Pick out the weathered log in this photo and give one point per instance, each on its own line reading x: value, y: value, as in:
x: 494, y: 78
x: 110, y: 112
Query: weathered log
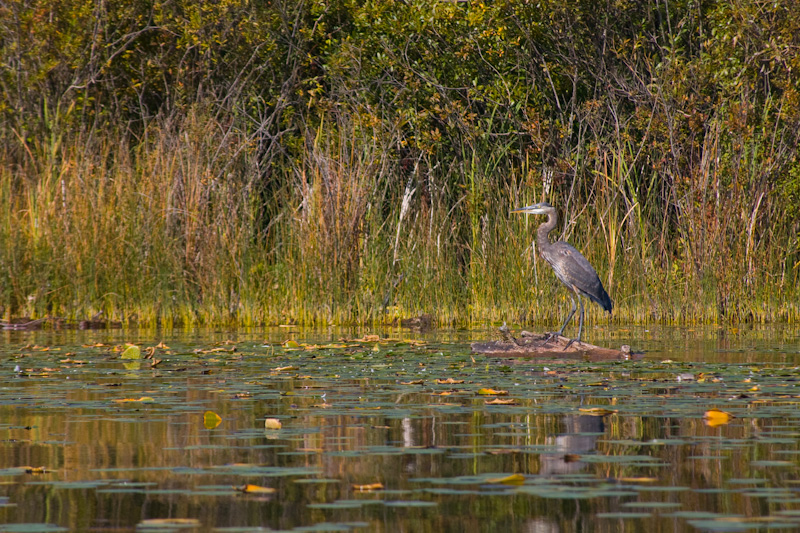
x: 23, y: 323
x: 27, y: 324
x: 550, y: 346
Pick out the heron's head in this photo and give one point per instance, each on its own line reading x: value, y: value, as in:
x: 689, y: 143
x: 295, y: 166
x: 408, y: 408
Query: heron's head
x: 542, y: 208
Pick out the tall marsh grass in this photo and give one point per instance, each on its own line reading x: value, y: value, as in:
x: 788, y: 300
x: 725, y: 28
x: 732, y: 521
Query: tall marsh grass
x: 176, y: 228
x: 247, y: 165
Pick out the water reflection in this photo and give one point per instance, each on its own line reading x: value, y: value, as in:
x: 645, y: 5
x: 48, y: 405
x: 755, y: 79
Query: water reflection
x: 580, y: 437
x: 120, y: 446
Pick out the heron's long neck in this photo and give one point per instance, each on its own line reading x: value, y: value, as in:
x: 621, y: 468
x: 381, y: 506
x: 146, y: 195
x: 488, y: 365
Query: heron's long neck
x: 541, y: 234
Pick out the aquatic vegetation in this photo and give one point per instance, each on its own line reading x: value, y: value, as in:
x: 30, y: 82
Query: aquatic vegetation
x: 171, y: 164
x: 342, y: 432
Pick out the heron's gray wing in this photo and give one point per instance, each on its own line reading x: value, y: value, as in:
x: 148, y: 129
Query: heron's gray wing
x: 575, y: 270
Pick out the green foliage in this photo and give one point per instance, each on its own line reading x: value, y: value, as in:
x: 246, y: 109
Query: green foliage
x: 352, y: 161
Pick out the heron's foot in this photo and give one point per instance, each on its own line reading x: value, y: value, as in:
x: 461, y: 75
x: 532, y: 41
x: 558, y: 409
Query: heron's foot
x: 550, y: 336
x: 570, y: 343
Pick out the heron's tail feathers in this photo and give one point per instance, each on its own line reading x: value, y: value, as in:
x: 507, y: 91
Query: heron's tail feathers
x: 602, y: 299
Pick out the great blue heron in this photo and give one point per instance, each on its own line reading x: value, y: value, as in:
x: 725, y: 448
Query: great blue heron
x: 571, y: 268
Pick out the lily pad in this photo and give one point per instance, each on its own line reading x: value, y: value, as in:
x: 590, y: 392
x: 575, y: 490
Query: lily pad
x: 32, y: 528
x: 624, y: 515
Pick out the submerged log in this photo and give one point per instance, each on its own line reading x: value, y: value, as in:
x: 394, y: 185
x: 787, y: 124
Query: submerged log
x: 423, y: 322
x: 23, y: 323
x: 28, y: 324
x: 545, y: 345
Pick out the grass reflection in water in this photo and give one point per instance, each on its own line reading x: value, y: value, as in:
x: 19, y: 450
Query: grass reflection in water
x: 385, y: 435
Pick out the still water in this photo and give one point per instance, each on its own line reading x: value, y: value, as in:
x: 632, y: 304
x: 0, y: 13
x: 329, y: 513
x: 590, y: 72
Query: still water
x: 397, y: 431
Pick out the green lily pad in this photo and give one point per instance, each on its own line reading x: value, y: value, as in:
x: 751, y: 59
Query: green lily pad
x: 624, y: 515
x: 32, y: 528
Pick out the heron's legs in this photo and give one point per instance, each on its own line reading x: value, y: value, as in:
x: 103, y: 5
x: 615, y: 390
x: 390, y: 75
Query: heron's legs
x: 564, y: 325
x: 569, y: 316
x: 580, y: 320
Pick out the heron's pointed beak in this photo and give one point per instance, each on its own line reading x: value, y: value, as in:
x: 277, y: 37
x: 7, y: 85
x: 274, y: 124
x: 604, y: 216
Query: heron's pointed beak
x: 527, y: 209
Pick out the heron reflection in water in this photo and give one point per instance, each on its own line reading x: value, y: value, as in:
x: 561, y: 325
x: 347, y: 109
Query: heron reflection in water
x: 570, y: 267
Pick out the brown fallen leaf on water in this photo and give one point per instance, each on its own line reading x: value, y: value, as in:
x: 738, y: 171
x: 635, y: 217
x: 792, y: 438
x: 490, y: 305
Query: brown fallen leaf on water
x: 152, y: 523
x: 272, y: 423
x: 413, y: 382
x: 35, y: 469
x: 513, y: 479
x: 255, y: 489
x: 142, y: 399
x: 596, y: 411
x: 368, y: 487
x: 311, y: 347
x: 415, y: 342
x: 285, y: 368
x: 215, y: 350
x: 492, y: 392
x: 715, y: 417
x: 449, y: 381
x: 637, y: 479
x: 501, y: 401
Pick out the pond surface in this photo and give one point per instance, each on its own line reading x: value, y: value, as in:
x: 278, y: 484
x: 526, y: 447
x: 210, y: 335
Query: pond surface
x: 397, y: 431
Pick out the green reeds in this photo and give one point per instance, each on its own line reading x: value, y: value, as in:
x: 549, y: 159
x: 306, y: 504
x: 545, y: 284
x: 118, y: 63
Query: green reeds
x: 174, y: 229
x: 247, y: 166
x: 182, y: 225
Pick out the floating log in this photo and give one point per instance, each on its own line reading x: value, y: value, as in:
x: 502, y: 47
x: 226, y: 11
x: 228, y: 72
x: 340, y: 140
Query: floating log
x: 547, y: 345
